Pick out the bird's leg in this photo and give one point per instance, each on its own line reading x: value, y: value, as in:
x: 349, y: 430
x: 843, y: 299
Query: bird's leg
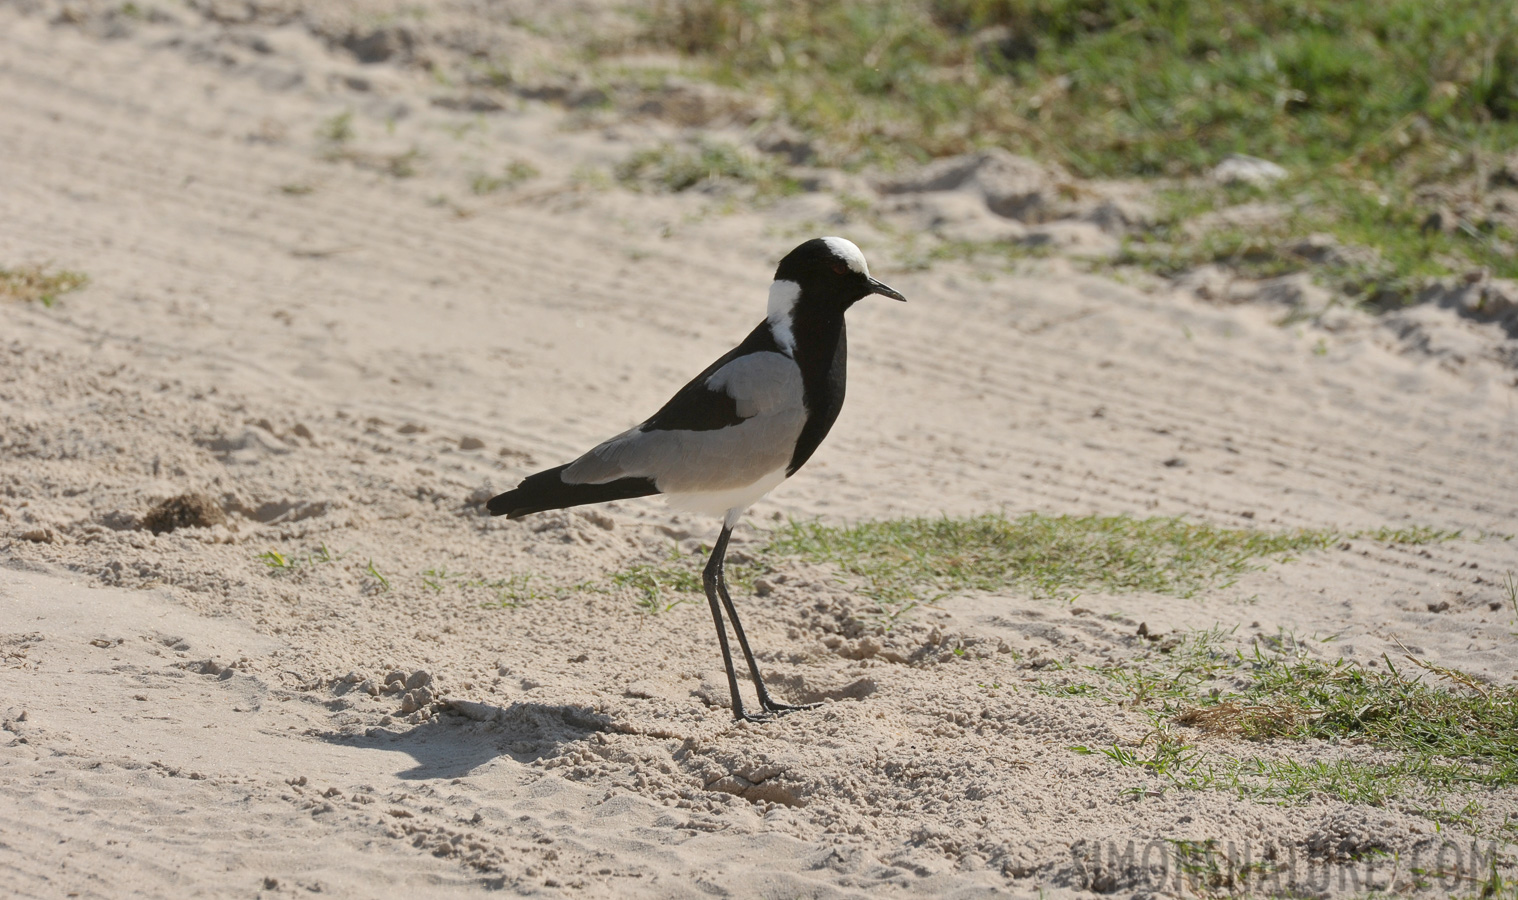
x: 711, y: 577
x: 765, y: 702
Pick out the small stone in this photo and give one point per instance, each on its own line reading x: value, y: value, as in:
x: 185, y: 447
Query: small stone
x: 39, y: 535
x: 1175, y: 462
x: 353, y: 678
x: 471, y: 443
x: 419, y: 678
x: 1439, y: 607
x: 395, y: 676
x: 1240, y: 169
x: 369, y: 687
x: 763, y: 588
x: 415, y: 700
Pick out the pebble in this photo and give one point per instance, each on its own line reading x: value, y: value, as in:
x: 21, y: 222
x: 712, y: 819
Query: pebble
x: 415, y: 699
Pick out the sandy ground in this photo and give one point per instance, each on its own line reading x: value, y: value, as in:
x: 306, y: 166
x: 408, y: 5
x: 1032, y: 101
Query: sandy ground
x: 343, y: 358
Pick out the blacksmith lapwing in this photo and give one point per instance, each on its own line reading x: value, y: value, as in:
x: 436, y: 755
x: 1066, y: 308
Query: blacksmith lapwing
x: 737, y: 430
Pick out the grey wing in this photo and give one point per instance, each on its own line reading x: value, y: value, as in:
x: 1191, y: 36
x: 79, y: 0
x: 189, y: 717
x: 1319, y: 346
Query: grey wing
x: 761, y: 384
x: 765, y: 391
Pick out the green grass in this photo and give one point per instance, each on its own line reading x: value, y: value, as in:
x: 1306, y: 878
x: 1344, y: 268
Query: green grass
x: 518, y: 590
x: 673, y: 168
x: 516, y: 173
x: 906, y: 561
x: 660, y: 588
x: 338, y: 129
x: 39, y: 283
x: 511, y: 592
x: 1444, y: 734
x: 1302, y: 699
x: 1388, y: 255
x: 381, y: 581
x: 278, y: 562
x: 1121, y: 87
x: 1365, y: 102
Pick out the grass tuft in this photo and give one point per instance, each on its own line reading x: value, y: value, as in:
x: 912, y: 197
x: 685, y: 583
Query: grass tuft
x: 1053, y: 556
x: 516, y: 173
x: 1303, y: 700
x: 1437, y: 730
x: 904, y: 562
x: 710, y: 163
x: 338, y: 129
x: 278, y: 562
x: 663, y: 586
x: 39, y: 283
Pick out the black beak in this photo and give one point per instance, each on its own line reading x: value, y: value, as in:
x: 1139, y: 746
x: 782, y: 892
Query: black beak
x: 885, y: 290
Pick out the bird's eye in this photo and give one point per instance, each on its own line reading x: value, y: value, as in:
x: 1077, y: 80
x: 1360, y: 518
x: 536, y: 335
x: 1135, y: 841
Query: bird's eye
x: 840, y: 268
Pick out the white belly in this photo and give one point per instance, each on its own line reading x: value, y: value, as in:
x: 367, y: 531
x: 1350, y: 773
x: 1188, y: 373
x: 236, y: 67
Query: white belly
x: 729, y: 500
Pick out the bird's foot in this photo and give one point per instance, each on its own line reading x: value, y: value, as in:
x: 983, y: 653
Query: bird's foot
x: 772, y: 711
x: 781, y: 709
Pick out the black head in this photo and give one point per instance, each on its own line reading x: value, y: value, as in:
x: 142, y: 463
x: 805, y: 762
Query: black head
x: 831, y: 270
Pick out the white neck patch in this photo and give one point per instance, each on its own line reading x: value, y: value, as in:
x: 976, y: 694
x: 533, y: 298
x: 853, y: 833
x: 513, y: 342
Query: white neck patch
x: 845, y: 249
x: 783, y: 297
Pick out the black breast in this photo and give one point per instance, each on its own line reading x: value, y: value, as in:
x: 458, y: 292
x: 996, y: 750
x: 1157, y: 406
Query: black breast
x: 823, y: 356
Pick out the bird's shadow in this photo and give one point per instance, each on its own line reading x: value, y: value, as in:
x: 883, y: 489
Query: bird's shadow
x: 468, y: 734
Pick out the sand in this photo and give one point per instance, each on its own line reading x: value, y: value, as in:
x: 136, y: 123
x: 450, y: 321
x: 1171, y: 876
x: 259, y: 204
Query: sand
x: 344, y: 349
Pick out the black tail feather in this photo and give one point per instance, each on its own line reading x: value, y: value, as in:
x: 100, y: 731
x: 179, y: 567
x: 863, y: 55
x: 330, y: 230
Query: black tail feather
x: 547, y: 490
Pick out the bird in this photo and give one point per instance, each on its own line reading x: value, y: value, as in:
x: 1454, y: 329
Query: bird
x: 748, y: 422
